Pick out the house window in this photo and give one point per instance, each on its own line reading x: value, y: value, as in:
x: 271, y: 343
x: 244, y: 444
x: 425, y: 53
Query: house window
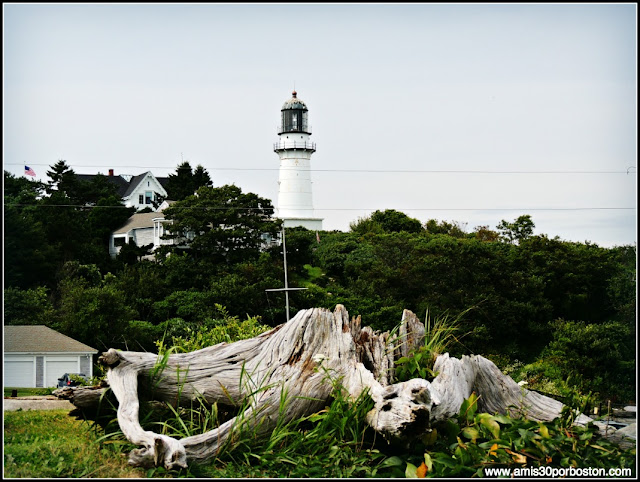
x: 148, y: 197
x: 140, y: 199
x: 118, y: 241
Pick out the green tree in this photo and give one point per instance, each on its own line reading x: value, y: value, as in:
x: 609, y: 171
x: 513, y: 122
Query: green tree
x: 222, y: 224
x: 141, y: 335
x: 516, y: 231
x: 185, y: 182
x: 201, y: 178
x: 387, y: 221
x: 483, y: 233
x: 30, y: 259
x: 108, y: 215
x: 143, y: 284
x: 80, y: 215
x: 131, y: 253
x: 622, y: 285
x: 365, y: 225
x: 65, y: 183
x: 92, y: 309
x: 574, y: 276
x: 98, y: 189
x: 242, y: 287
x: 27, y: 307
x: 22, y: 190
x: 597, y: 357
x: 300, y: 243
x: 192, y: 306
x: 453, y: 229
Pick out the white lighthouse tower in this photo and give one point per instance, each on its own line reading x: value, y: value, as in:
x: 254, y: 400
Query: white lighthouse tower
x: 295, y: 200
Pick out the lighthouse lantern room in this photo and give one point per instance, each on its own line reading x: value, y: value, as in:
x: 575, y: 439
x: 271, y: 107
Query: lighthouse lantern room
x: 295, y: 200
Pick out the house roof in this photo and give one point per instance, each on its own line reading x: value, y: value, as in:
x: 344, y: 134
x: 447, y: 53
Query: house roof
x: 135, y: 181
x: 142, y: 220
x: 138, y: 221
x: 120, y: 182
x: 125, y: 188
x: 40, y: 339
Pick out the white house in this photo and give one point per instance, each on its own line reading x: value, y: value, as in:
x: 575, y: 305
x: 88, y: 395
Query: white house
x: 143, y: 190
x: 143, y: 229
x: 36, y: 356
x: 139, y: 191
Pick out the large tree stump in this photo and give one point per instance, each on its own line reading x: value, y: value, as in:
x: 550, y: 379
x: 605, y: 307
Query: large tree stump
x: 293, y: 361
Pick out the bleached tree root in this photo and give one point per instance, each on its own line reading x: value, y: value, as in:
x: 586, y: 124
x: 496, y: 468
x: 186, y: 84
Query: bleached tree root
x: 283, y: 374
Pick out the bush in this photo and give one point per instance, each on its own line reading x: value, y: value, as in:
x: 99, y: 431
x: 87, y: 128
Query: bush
x: 596, y: 357
x: 226, y: 329
x: 471, y: 443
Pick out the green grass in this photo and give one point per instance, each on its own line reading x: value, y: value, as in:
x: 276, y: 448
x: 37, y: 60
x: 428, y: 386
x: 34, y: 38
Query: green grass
x: 28, y: 392
x: 49, y: 443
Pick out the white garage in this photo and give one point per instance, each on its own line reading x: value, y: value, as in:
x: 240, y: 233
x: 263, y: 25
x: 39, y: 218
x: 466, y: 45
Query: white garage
x: 36, y: 356
x: 18, y: 369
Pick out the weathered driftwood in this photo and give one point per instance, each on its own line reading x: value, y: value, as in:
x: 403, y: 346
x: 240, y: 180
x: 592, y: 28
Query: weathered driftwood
x: 292, y: 362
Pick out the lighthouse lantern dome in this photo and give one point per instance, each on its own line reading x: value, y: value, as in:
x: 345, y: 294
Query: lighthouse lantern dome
x: 294, y: 116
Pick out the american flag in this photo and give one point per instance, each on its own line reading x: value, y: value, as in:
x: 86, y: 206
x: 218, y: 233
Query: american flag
x: 29, y: 172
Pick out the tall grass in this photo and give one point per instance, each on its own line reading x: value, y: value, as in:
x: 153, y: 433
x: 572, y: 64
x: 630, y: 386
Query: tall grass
x: 441, y: 332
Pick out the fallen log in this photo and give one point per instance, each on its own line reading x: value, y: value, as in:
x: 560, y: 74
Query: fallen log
x: 294, y: 360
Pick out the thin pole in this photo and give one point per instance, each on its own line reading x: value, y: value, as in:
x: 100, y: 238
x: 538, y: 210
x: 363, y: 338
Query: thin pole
x: 286, y: 288
x: 286, y: 283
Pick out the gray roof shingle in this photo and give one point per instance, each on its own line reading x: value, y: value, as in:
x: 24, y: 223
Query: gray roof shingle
x: 124, y: 187
x: 121, y: 183
x: 139, y: 220
x: 40, y: 339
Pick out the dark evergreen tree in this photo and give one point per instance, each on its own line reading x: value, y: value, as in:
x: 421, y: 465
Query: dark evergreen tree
x: 65, y: 185
x: 29, y: 257
x: 201, y: 178
x: 185, y: 182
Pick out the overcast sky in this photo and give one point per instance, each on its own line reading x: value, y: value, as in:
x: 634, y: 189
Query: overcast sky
x: 484, y: 112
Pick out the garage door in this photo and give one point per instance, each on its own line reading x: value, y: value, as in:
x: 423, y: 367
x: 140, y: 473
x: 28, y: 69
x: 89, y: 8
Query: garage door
x: 55, y: 367
x: 19, y: 371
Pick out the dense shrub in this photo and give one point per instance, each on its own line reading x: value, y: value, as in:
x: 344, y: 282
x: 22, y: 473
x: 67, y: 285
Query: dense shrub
x: 472, y: 443
x: 595, y: 357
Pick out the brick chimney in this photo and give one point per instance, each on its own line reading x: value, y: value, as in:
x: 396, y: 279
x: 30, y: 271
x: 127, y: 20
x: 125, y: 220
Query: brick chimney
x: 110, y: 172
